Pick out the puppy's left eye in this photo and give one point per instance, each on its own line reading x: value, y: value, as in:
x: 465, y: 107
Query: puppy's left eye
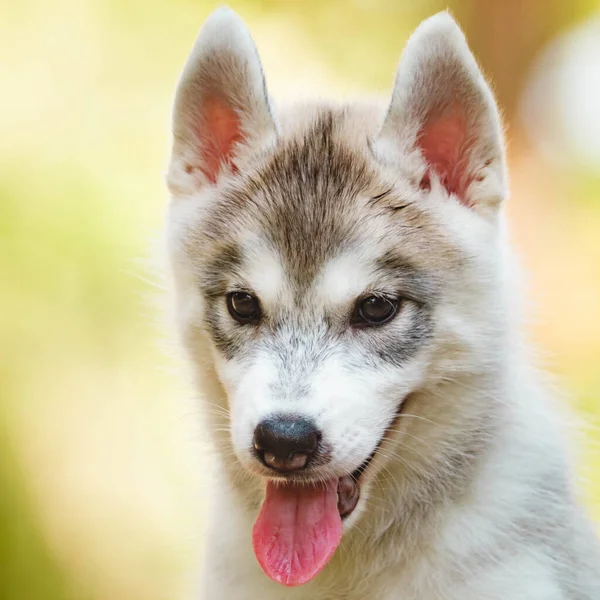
x: 374, y: 310
x: 243, y: 307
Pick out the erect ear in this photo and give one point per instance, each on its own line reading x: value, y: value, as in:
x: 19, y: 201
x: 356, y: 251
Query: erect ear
x: 221, y: 104
x: 444, y: 117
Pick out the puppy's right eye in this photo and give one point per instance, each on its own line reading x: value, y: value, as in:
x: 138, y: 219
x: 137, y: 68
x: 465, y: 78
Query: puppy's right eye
x: 243, y: 307
x: 374, y: 310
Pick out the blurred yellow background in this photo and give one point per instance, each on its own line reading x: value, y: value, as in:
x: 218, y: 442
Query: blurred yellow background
x: 98, y: 463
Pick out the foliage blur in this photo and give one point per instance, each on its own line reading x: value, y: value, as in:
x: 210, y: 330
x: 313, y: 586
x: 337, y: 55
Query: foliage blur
x: 97, y: 458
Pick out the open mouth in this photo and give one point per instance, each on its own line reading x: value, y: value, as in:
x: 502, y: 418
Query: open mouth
x: 300, y: 524
x: 349, y: 487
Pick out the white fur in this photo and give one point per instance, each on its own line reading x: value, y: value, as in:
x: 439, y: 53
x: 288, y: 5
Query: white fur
x: 343, y: 278
x: 469, y: 496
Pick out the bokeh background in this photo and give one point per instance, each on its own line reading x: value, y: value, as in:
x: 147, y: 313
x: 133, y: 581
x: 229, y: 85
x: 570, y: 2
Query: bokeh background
x: 98, y: 463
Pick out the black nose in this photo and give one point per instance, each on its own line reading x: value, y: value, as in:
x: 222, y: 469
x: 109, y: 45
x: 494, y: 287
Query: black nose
x: 285, y: 443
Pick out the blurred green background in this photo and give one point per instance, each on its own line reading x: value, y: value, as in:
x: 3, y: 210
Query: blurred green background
x: 98, y: 496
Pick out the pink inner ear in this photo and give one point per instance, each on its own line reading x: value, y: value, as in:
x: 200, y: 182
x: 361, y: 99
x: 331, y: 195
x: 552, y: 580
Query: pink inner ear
x: 220, y: 131
x: 442, y: 141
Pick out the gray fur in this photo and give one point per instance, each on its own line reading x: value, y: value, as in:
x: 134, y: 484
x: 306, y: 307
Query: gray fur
x: 468, y: 495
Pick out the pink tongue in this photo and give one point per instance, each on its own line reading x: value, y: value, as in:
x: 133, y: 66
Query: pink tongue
x: 297, y: 531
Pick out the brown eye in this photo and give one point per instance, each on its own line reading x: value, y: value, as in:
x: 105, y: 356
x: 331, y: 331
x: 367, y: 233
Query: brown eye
x: 243, y: 307
x: 374, y: 310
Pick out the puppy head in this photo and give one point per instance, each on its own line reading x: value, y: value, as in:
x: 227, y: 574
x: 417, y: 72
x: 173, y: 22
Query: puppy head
x: 334, y: 261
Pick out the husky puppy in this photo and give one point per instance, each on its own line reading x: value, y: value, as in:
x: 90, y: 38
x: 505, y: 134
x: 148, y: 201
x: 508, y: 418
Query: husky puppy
x: 344, y: 291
